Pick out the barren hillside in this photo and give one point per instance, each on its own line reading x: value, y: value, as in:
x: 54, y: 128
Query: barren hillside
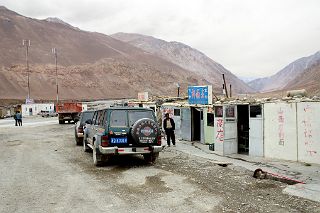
x: 309, y: 80
x: 287, y: 76
x: 187, y: 58
x: 91, y: 65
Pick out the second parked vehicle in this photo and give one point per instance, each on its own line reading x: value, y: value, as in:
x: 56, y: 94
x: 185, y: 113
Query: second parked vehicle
x: 123, y: 131
x: 85, y: 117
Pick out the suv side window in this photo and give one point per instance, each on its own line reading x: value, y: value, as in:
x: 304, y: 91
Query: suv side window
x: 118, y: 118
x: 94, y: 118
x: 101, y: 118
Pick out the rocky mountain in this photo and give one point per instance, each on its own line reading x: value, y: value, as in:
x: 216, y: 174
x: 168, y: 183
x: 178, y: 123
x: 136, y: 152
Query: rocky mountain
x: 309, y: 79
x: 106, y: 78
x: 288, y: 76
x: 90, y: 65
x: 187, y: 58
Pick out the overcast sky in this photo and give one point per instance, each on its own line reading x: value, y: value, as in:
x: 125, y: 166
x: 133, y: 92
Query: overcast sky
x: 251, y: 38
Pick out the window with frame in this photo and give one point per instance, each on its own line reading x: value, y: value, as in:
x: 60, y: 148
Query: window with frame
x: 230, y: 112
x: 255, y: 111
x: 176, y: 112
x: 210, y: 119
x: 218, y: 110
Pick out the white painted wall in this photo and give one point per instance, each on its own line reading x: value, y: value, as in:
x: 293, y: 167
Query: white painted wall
x: 280, y: 133
x: 309, y: 132
x: 256, y: 143
x: 256, y: 137
x: 209, y: 131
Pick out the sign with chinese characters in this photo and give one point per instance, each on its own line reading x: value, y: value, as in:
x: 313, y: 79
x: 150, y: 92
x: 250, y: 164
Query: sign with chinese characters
x: 143, y: 96
x: 200, y: 94
x: 308, y: 130
x: 281, y: 122
x: 219, y: 130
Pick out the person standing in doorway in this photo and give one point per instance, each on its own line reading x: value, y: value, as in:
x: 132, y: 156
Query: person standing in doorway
x: 169, y: 127
x: 19, y: 118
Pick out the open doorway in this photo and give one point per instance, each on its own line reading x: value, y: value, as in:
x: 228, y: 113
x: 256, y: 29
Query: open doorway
x: 195, y: 124
x: 243, y: 129
x: 30, y: 111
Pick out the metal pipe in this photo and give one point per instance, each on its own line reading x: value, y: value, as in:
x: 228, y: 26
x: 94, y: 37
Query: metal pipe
x: 54, y: 51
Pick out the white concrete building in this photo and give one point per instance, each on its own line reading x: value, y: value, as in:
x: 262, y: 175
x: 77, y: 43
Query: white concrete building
x: 35, y: 108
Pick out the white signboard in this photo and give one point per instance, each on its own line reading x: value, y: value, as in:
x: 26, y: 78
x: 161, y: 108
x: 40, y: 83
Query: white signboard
x: 29, y: 101
x: 143, y: 96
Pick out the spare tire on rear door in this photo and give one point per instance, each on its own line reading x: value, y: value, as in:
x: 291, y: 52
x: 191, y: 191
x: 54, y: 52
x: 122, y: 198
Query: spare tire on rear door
x: 145, y: 131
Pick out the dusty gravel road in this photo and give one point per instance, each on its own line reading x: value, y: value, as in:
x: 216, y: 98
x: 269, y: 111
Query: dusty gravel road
x: 42, y: 170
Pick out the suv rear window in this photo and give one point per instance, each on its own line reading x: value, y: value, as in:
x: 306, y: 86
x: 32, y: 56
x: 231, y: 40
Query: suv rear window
x: 86, y: 116
x: 118, y: 118
x: 136, y: 115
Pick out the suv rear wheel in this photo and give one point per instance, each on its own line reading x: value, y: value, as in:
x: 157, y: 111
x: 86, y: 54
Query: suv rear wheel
x: 151, y: 158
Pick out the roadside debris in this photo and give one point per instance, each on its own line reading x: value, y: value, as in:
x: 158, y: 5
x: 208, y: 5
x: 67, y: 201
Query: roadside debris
x: 260, y: 174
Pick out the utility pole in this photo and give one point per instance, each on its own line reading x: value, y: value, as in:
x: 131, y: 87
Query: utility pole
x: 178, y: 86
x: 27, y: 43
x: 54, y: 51
x: 225, y: 85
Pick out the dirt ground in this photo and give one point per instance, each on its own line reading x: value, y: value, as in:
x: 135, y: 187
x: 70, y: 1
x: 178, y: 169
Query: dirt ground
x: 42, y: 170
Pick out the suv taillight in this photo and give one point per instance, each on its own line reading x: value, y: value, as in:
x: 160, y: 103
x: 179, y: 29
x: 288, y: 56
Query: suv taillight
x: 80, y: 129
x: 159, y: 140
x: 104, y: 140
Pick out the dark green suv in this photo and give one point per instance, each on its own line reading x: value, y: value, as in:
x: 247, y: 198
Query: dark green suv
x: 123, y: 131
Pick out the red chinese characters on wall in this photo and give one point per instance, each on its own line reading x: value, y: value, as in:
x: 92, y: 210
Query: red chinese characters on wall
x: 220, y: 131
x: 281, y: 122
x: 307, y: 130
x: 167, y: 110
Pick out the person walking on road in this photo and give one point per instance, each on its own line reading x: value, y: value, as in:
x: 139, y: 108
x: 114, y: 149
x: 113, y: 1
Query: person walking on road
x: 19, y: 118
x: 169, y: 127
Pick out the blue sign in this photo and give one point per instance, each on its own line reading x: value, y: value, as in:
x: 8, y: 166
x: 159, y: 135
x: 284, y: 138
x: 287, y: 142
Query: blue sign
x: 200, y: 94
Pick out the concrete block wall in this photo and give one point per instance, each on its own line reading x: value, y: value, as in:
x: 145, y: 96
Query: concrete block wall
x: 292, y: 131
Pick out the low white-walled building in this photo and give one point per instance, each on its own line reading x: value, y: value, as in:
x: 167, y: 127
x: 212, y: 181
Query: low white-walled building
x: 288, y: 130
x: 292, y: 131
x: 34, y: 109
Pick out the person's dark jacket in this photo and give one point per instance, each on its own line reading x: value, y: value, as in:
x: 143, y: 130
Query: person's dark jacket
x: 165, y: 124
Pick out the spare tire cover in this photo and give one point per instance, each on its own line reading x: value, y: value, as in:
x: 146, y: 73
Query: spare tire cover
x: 145, y: 131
